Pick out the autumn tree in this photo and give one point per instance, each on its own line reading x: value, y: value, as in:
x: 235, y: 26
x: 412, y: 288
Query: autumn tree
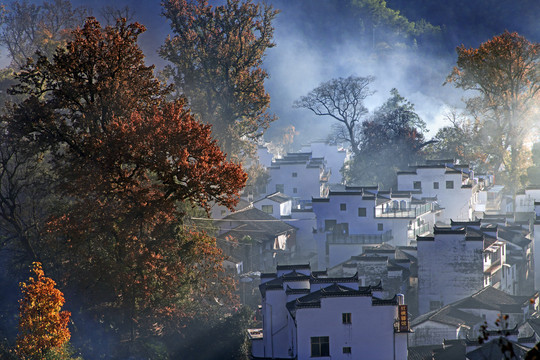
x: 127, y: 162
x: 341, y: 99
x: 389, y: 141
x: 216, y: 56
x: 43, y: 327
x: 504, y: 72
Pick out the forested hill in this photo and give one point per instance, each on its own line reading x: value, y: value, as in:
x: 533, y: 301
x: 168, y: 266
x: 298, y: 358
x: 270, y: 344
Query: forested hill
x: 474, y: 21
x: 406, y: 44
x: 453, y: 22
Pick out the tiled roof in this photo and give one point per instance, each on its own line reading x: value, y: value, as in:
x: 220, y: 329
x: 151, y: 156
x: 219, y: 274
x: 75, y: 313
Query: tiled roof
x: 335, y: 290
x: 492, y: 350
x: 254, y: 221
x: 279, y: 197
x: 448, y: 315
x: 491, y: 298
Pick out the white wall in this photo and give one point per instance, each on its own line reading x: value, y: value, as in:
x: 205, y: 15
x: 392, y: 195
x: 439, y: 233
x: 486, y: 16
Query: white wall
x: 449, y: 268
x: 304, y: 186
x: 457, y: 202
x: 370, y: 336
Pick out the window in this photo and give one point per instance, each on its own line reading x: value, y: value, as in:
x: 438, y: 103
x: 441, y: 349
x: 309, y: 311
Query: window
x: 434, y: 305
x: 294, y: 174
x: 436, y: 185
x: 417, y: 185
x: 449, y: 184
x: 347, y: 350
x: 295, y: 190
x: 343, y: 207
x: 362, y: 212
x: 346, y: 318
x: 269, y: 209
x: 329, y: 225
x: 380, y: 227
x: 280, y: 188
x: 320, y: 346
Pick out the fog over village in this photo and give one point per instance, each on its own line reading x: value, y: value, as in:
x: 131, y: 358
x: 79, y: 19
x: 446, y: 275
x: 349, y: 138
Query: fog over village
x: 289, y: 179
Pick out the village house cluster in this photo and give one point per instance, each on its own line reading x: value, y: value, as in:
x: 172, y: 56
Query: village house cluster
x: 420, y: 271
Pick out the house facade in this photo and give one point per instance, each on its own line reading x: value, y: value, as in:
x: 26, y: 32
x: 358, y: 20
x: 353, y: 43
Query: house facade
x: 457, y: 261
x: 453, y: 185
x: 349, y: 220
x: 310, y: 315
x: 300, y: 176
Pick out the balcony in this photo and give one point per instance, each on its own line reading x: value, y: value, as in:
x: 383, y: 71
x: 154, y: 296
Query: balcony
x: 412, y: 212
x: 421, y: 230
x: 359, y: 238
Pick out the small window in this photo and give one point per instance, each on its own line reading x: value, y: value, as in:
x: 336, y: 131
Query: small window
x: 269, y: 209
x: 347, y: 350
x: 294, y: 174
x: 223, y: 212
x: 280, y: 188
x: 346, y: 318
x: 435, y: 185
x: 320, y: 346
x: 362, y: 212
x: 295, y: 190
x: 449, y: 184
x: 343, y: 207
x: 417, y: 185
x: 434, y: 305
x: 380, y: 227
x: 329, y: 225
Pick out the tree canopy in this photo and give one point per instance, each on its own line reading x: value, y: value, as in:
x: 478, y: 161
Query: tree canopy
x: 389, y: 141
x: 126, y: 163
x: 216, y: 56
x: 504, y: 71
x: 341, y: 99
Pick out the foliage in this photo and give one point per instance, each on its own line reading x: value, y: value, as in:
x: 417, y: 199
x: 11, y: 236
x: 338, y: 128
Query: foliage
x: 27, y: 28
x: 229, y: 338
x: 99, y: 75
x: 42, y: 326
x: 461, y: 141
x: 505, y: 72
x: 126, y: 164
x: 217, y: 56
x: 343, y: 100
x: 376, y: 18
x: 533, y: 172
x: 391, y: 140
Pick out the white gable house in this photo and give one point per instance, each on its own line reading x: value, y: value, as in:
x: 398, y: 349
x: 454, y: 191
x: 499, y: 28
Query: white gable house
x: 309, y: 315
x: 452, y: 185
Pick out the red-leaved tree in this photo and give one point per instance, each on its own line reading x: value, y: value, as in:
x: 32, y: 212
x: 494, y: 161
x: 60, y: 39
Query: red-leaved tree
x: 127, y: 164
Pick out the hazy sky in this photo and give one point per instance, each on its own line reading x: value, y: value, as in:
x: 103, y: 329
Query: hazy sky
x: 298, y: 64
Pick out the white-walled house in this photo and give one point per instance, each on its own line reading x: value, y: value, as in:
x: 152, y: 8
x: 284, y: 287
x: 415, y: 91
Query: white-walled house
x: 457, y: 261
x: 334, y: 155
x: 300, y: 176
x: 276, y: 204
x: 453, y: 185
x: 310, y: 315
x: 349, y: 220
